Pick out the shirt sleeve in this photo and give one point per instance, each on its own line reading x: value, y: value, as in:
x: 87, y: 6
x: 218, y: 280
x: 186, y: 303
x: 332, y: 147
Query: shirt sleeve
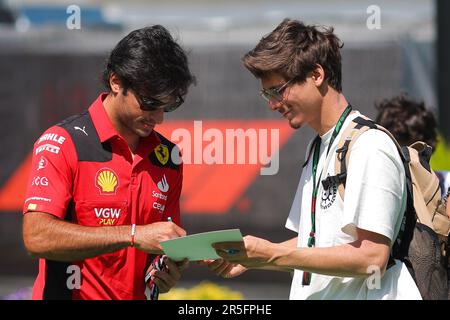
x: 172, y: 209
x: 375, y: 194
x: 50, y: 183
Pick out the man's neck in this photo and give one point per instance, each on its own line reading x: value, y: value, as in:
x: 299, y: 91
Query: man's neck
x: 332, y: 107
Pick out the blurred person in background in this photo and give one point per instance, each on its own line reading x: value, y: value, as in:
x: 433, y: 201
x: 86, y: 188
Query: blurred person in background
x: 410, y: 121
x: 339, y: 244
x: 104, y: 189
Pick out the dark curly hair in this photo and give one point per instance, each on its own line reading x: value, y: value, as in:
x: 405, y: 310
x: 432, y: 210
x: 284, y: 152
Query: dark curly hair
x: 407, y: 120
x: 150, y: 62
x: 294, y: 49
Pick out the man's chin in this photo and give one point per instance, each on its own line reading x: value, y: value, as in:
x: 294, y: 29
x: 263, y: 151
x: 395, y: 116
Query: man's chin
x: 295, y: 125
x: 144, y: 133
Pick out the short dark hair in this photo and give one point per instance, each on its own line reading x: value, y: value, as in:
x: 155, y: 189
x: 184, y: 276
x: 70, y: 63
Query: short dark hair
x: 407, y: 120
x: 149, y: 61
x: 294, y: 49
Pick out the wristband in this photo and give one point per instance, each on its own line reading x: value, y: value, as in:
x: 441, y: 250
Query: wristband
x: 133, y: 233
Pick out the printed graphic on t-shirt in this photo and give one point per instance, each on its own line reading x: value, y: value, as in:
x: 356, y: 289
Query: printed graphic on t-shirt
x: 106, y: 181
x: 328, y: 197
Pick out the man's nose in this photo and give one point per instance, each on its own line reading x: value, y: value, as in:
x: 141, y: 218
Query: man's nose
x: 275, y: 105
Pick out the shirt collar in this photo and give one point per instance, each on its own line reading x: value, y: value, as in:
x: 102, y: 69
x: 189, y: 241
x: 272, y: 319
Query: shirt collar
x: 100, y: 118
x: 326, y: 137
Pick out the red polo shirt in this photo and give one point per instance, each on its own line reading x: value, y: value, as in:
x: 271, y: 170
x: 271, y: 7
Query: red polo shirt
x: 83, y: 172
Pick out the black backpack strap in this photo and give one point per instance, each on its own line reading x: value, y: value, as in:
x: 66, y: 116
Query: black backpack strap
x: 425, y: 157
x: 337, y: 179
x: 365, y: 123
x: 341, y: 177
x: 406, y: 232
x: 341, y: 155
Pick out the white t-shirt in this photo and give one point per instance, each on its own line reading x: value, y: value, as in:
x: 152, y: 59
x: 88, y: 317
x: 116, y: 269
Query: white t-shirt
x: 375, y: 199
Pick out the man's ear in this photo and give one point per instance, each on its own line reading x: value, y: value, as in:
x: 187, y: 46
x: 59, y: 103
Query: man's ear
x: 114, y: 83
x: 318, y: 75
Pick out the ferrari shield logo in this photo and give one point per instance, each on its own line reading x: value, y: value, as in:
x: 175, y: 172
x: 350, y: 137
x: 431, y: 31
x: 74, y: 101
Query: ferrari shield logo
x: 162, y: 153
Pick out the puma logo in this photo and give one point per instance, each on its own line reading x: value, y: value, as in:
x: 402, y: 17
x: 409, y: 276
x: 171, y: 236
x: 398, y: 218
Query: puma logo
x: 83, y: 130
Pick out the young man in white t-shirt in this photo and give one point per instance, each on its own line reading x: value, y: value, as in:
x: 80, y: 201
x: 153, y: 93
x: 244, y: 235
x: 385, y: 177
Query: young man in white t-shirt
x: 342, y: 249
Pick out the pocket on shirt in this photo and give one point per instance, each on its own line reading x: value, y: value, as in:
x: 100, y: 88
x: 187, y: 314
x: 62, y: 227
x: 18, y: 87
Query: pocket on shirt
x: 102, y: 213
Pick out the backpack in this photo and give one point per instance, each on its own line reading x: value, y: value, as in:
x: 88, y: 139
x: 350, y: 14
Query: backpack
x: 422, y: 242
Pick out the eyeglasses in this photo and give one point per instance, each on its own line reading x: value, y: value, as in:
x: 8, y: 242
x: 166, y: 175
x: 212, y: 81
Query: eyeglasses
x: 275, y: 95
x: 152, y: 104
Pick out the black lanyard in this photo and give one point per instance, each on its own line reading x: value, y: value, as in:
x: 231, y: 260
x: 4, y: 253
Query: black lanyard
x: 316, y: 146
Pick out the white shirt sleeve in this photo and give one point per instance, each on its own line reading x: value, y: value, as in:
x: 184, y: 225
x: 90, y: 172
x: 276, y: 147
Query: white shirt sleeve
x: 375, y: 194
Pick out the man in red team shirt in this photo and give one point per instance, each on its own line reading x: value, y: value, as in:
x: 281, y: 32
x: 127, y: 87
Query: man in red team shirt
x: 105, y: 186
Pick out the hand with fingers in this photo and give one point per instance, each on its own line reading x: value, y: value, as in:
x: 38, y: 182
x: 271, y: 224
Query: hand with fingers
x: 163, y: 274
x: 223, y: 268
x: 148, y: 237
x: 251, y: 252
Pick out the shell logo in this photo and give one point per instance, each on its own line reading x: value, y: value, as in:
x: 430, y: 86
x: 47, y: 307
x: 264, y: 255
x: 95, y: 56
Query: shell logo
x: 106, y: 181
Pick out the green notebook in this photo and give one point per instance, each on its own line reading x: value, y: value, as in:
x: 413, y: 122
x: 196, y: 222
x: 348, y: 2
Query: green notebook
x: 198, y: 246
